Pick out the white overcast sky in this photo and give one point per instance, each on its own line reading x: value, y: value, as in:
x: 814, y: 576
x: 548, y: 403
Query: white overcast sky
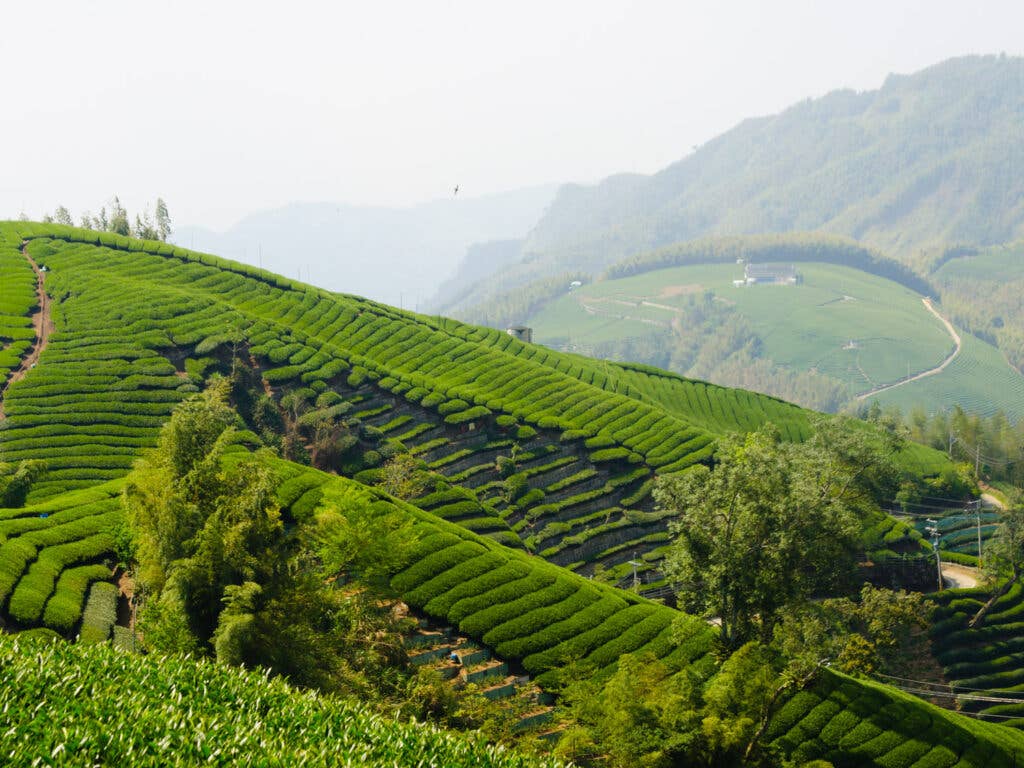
x: 224, y: 108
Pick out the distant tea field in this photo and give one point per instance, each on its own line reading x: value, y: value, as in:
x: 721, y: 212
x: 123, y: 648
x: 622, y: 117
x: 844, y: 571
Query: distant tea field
x: 856, y: 328
x: 979, y: 380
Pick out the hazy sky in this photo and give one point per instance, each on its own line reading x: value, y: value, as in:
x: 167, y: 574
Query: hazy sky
x: 224, y: 108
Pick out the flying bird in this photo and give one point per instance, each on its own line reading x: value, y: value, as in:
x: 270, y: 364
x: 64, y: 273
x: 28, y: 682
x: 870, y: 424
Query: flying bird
x: 456, y: 190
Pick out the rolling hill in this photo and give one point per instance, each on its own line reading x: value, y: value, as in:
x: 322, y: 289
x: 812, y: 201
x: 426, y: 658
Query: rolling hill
x: 855, y: 328
x: 138, y: 326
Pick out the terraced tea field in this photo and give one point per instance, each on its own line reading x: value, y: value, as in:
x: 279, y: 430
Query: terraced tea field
x: 145, y: 325
x: 17, y: 301
x: 803, y: 327
x: 986, y: 662
x: 852, y: 722
x: 138, y: 326
x: 862, y: 330
x: 979, y: 380
x: 998, y: 263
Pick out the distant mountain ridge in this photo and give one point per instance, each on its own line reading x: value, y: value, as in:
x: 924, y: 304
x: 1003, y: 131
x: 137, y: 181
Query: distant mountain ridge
x: 395, y: 255
x: 927, y: 160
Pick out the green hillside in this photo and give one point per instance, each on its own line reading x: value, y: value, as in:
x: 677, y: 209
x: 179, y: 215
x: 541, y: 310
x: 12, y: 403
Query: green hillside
x: 527, y: 609
x: 855, y: 322
x: 103, y: 707
x: 986, y: 662
x: 981, y: 290
x: 17, y: 300
x: 852, y: 722
x: 543, y: 463
x: 587, y: 437
x: 914, y: 166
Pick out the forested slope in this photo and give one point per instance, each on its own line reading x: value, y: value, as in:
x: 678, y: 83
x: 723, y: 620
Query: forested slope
x: 920, y: 163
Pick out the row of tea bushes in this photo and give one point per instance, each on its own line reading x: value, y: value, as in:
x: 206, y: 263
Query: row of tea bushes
x: 850, y: 722
x: 216, y: 714
x: 52, y: 552
x: 988, y: 658
x: 17, y: 302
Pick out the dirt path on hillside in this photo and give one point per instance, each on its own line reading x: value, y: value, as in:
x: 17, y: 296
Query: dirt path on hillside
x: 42, y: 324
x: 932, y: 371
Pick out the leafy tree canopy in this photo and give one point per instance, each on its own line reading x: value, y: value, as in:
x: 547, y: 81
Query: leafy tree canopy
x: 773, y: 523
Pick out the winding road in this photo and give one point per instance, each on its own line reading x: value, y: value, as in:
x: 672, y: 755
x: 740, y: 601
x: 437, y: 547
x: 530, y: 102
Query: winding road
x: 959, y: 576
x: 931, y: 371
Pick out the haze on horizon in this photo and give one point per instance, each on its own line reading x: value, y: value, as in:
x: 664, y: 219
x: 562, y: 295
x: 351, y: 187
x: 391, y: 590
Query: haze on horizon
x: 228, y: 108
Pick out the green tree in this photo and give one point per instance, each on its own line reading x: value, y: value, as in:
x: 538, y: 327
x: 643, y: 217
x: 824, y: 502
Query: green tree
x: 643, y: 715
x: 404, y: 477
x: 881, y: 630
x: 198, y: 525
x: 144, y: 228
x: 63, y: 216
x: 366, y: 542
x: 119, y: 222
x: 163, y: 219
x: 15, y: 483
x: 223, y: 575
x: 773, y: 523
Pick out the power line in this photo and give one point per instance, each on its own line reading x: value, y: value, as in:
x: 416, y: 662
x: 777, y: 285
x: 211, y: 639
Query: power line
x: 940, y: 498
x: 928, y: 511
x: 921, y: 505
x: 946, y: 685
x: 958, y: 696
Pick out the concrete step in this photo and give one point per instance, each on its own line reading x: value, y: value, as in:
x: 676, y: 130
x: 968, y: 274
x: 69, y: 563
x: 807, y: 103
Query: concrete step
x: 425, y: 638
x: 492, y: 668
x: 504, y: 690
x: 535, y: 718
x: 551, y: 735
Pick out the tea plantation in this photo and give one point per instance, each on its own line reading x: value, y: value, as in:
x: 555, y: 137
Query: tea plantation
x: 805, y: 326
x: 988, y: 658
x: 547, y: 462
x: 147, y: 324
x: 113, y: 710
x: 852, y: 723
x: 17, y: 300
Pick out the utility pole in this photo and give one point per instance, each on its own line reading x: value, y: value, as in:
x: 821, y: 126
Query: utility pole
x: 977, y: 520
x: 933, y: 529
x: 636, y: 579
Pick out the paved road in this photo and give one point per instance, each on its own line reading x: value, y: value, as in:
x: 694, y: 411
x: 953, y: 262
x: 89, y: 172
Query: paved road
x: 931, y: 371
x: 959, y: 576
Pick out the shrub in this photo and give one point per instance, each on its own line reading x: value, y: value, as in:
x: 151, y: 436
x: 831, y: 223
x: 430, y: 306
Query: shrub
x: 64, y: 610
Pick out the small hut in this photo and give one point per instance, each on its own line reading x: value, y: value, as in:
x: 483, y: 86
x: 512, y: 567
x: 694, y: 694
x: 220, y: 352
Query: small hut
x: 521, y: 332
